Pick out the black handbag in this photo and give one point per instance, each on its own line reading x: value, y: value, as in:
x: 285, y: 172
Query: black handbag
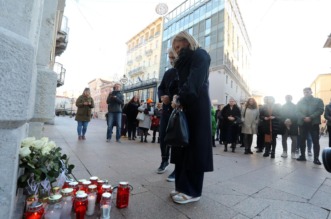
x: 177, y: 132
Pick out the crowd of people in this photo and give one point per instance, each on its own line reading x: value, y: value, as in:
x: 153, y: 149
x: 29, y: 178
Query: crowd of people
x: 185, y: 86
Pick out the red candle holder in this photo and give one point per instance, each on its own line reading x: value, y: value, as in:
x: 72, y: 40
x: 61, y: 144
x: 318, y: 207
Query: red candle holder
x: 80, y: 184
x: 86, y: 184
x: 80, y: 205
x: 94, y: 180
x: 123, y: 193
x: 34, y: 211
x: 99, y: 190
x: 74, y: 186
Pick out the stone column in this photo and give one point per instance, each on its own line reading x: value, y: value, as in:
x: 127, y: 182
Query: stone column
x: 46, y: 78
x: 19, y: 38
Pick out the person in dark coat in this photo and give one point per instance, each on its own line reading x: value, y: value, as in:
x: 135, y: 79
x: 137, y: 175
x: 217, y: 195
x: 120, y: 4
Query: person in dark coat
x: 84, y: 105
x: 193, y: 161
x: 269, y: 117
x: 310, y: 110
x: 231, y: 118
x: 131, y: 111
x: 166, y: 90
x: 115, y: 101
x: 327, y: 116
x: 289, y: 125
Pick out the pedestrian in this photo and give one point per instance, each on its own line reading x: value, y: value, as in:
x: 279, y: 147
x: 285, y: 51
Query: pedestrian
x: 327, y: 116
x: 145, y: 125
x: 115, y: 103
x: 131, y: 113
x: 166, y: 90
x: 230, y: 125
x: 156, y: 122
x: 193, y: 161
x: 310, y: 110
x: 213, y: 125
x: 219, y: 107
x: 289, y: 126
x: 84, y: 105
x: 250, y: 118
x: 269, y: 116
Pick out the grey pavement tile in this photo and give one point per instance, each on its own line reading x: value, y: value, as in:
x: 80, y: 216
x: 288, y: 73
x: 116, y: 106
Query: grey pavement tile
x: 294, y: 188
x: 322, y: 199
x: 275, y: 194
x: 147, y: 205
x: 251, y: 207
x: 304, y: 210
x: 274, y: 213
x: 240, y: 216
x: 226, y: 200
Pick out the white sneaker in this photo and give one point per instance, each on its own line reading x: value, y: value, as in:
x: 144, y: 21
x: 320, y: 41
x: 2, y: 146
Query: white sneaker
x: 310, y: 154
x: 293, y: 156
x: 181, y: 198
x: 173, y: 193
x: 284, y: 154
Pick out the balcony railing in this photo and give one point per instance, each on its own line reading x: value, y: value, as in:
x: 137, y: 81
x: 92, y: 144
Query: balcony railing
x: 138, y: 70
x: 62, y: 37
x: 61, y: 72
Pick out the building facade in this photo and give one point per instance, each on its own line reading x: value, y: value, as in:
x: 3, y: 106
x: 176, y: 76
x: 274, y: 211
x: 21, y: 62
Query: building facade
x: 105, y: 89
x: 28, y: 33
x: 95, y: 89
x: 321, y: 87
x: 143, y: 62
x: 219, y: 28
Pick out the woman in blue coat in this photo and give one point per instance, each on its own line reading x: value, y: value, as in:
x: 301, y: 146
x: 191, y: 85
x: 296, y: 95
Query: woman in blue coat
x: 192, y: 161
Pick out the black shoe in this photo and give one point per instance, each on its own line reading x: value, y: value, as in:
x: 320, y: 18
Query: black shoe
x: 171, y: 177
x: 163, y: 167
x: 214, y: 146
x: 259, y: 151
x: 129, y: 138
x: 301, y: 158
x: 146, y: 141
x: 272, y: 155
x: 317, y: 162
x: 242, y: 146
x: 266, y: 155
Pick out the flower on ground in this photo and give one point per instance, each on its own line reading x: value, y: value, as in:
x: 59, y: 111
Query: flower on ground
x: 42, y: 160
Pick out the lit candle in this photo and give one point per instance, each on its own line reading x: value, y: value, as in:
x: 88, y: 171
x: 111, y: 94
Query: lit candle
x: 91, y: 204
x: 53, y: 214
x: 105, y: 211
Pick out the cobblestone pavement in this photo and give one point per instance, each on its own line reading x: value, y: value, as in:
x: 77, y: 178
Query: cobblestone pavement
x: 241, y: 186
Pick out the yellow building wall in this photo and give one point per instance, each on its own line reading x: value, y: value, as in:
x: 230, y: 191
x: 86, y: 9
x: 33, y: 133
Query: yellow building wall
x: 321, y: 87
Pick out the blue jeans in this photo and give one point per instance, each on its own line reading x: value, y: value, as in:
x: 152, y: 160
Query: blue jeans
x: 114, y: 119
x: 81, y: 128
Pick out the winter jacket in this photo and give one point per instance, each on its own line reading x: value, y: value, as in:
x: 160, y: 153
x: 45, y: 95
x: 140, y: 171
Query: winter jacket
x: 289, y: 111
x: 327, y: 114
x: 115, y: 102
x: 250, y: 118
x: 310, y: 107
x: 146, y: 123
x: 84, y: 111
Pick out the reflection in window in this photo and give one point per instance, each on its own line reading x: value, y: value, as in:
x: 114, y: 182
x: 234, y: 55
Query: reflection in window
x: 208, y: 26
x: 207, y: 41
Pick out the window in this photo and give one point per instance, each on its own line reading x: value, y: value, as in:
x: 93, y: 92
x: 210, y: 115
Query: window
x: 208, y: 26
x: 207, y: 41
x: 190, y: 30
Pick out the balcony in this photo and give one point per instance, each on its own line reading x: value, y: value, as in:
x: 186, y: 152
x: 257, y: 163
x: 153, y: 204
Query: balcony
x: 61, y: 72
x: 149, y: 52
x: 62, y: 37
x: 138, y: 70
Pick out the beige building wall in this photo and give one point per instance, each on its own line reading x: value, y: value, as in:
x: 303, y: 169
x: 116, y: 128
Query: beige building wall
x: 143, y: 53
x: 95, y: 89
x: 321, y: 87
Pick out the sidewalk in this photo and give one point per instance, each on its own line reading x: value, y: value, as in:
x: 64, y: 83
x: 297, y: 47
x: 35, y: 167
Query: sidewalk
x: 241, y: 186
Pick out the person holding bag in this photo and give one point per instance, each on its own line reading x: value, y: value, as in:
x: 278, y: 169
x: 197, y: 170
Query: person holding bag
x: 145, y: 124
x: 192, y: 161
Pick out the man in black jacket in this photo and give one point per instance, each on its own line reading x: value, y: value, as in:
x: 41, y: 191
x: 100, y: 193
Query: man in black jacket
x: 167, y: 88
x: 115, y: 103
x: 327, y: 116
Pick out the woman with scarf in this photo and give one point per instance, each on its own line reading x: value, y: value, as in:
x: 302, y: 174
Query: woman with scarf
x: 193, y: 161
x: 84, y: 105
x: 269, y: 115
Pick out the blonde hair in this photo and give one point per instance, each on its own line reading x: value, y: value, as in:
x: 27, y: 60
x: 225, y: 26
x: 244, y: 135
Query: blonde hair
x: 181, y: 36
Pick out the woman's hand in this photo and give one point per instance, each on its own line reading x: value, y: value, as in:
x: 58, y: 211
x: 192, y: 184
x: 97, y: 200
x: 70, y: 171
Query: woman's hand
x: 175, y: 103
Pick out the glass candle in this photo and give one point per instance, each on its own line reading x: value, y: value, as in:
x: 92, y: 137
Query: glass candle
x: 99, y: 190
x: 105, y: 205
x: 66, y: 183
x: 34, y: 211
x: 91, y: 198
x: 67, y: 201
x: 74, y: 186
x: 54, y: 207
x: 123, y: 192
x: 85, y: 185
x: 107, y: 188
x: 56, y: 190
x: 94, y: 180
x: 80, y: 205
x: 80, y: 184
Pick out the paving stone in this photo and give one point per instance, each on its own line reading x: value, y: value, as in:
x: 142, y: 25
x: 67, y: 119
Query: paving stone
x: 251, y: 207
x: 275, y: 194
x: 273, y: 213
x: 294, y: 188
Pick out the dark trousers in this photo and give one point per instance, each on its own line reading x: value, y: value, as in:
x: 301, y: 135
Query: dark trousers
x: 328, y: 130
x: 248, y: 139
x: 188, y: 181
x: 132, y: 126
x: 165, y: 150
x: 314, y: 130
x: 260, y: 138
